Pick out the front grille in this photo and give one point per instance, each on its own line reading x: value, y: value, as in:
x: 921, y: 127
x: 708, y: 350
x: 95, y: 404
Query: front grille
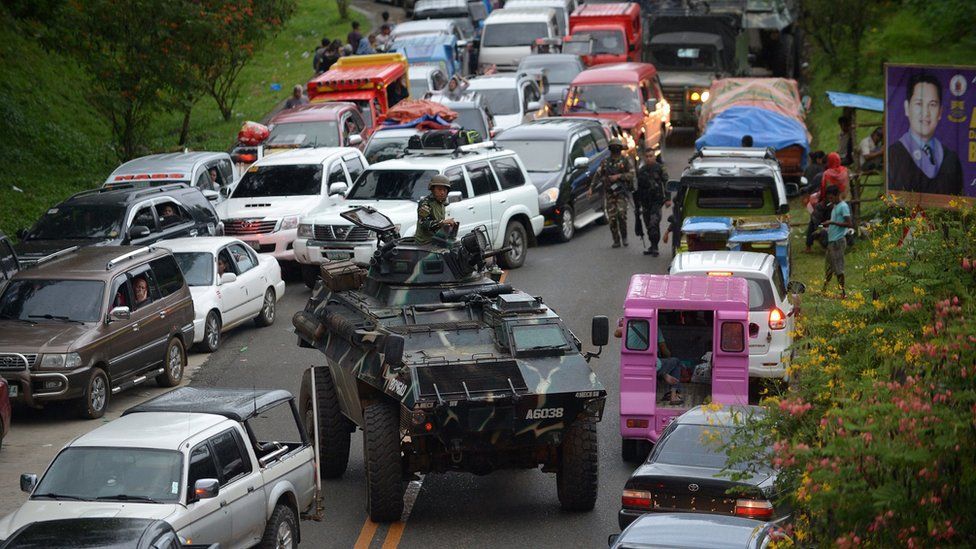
x: 676, y: 98
x: 244, y: 227
x: 11, y: 362
x: 342, y: 233
x: 477, y: 378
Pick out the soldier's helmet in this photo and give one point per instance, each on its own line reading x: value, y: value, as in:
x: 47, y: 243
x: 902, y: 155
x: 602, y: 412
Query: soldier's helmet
x: 439, y: 180
x: 616, y: 143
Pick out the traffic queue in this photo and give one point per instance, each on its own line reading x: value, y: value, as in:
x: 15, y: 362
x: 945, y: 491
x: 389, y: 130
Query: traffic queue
x: 542, y: 116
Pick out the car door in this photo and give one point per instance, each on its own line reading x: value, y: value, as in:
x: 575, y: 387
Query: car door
x: 464, y: 211
x: 209, y: 520
x: 175, y: 221
x: 483, y: 184
x: 233, y: 295
x: 169, y: 282
x: 510, y: 179
x: 578, y: 181
x: 241, y: 488
x: 124, y: 341
x: 355, y: 166
x: 336, y: 174
x: 251, y: 278
x: 148, y: 321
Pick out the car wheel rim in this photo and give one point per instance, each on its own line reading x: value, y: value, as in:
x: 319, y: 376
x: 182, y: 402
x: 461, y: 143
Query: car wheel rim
x: 269, y: 307
x: 567, y: 224
x: 516, y: 242
x: 213, y: 334
x: 97, y: 393
x: 175, y: 362
x: 284, y: 535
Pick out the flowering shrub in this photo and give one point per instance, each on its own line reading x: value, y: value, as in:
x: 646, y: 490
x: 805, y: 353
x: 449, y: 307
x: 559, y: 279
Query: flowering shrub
x: 876, y: 433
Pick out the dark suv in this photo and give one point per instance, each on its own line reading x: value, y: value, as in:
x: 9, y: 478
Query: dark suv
x: 121, y: 215
x: 92, y: 322
x: 9, y: 265
x: 562, y: 158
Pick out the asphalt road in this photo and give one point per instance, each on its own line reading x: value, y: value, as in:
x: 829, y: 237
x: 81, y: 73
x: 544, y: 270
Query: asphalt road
x: 580, y: 279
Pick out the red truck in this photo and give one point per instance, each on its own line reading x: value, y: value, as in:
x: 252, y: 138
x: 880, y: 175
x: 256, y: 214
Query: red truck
x: 373, y: 82
x: 608, y: 33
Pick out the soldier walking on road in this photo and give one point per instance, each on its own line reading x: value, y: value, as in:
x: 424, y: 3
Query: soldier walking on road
x: 617, y: 174
x: 431, y: 211
x: 651, y: 195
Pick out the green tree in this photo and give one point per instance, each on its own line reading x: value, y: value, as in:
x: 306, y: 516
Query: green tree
x: 839, y: 28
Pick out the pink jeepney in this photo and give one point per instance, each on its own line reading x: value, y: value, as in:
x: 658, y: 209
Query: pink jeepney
x: 704, y: 321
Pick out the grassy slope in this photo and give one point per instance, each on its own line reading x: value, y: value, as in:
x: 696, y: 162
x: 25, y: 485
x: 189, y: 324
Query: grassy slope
x: 56, y: 145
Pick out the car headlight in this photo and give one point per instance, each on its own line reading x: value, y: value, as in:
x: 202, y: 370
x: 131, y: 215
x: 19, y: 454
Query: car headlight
x: 699, y: 96
x: 548, y: 197
x: 289, y: 222
x: 69, y: 360
x: 704, y: 96
x: 305, y: 230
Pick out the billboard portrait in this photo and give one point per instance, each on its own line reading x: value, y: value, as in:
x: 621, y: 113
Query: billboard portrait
x: 930, y: 132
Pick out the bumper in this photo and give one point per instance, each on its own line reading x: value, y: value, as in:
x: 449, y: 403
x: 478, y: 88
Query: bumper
x: 316, y: 252
x: 36, y: 388
x: 770, y: 365
x: 626, y: 516
x: 198, y: 329
x: 538, y: 222
x: 279, y: 244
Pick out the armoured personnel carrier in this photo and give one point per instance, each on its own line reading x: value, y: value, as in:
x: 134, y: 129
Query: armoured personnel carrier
x: 444, y: 369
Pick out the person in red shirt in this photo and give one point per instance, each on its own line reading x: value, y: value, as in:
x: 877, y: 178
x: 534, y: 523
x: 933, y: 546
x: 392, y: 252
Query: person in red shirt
x: 836, y: 175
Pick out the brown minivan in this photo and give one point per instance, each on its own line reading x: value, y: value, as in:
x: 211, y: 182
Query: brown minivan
x: 94, y: 322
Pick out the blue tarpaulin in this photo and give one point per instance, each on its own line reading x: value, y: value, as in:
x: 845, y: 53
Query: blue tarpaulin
x: 761, y: 235
x: 393, y: 125
x: 700, y: 224
x: 865, y: 102
x: 767, y: 128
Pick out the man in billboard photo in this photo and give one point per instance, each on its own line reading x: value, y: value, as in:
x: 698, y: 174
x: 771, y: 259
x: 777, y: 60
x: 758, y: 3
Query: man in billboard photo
x: 918, y: 161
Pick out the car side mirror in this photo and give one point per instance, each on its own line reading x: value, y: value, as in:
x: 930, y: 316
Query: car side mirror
x: 227, y: 278
x: 796, y: 287
x: 393, y: 350
x: 119, y: 313
x: 600, y: 330
x: 674, y: 186
x: 453, y: 197
x: 211, y: 195
x: 338, y: 188
x: 651, y: 104
x: 355, y: 140
x: 206, y: 488
x: 581, y: 163
x: 534, y: 106
x: 611, y: 539
x: 28, y: 481
x: 138, y: 231
x: 225, y: 191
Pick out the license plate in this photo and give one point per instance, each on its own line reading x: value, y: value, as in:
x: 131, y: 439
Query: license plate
x: 14, y: 390
x: 338, y: 256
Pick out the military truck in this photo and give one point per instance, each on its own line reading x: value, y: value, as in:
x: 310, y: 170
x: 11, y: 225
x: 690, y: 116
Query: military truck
x: 444, y: 369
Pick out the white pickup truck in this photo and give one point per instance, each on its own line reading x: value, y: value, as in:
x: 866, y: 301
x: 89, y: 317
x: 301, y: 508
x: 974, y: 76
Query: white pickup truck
x: 202, y: 459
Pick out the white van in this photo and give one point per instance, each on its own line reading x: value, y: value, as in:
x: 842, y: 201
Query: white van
x: 509, y: 34
x: 563, y: 9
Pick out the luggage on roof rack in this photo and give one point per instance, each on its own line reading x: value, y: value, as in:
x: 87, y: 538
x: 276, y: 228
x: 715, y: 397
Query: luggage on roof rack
x: 444, y: 140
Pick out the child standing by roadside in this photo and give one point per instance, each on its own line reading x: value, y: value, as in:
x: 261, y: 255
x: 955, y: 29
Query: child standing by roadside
x: 837, y: 225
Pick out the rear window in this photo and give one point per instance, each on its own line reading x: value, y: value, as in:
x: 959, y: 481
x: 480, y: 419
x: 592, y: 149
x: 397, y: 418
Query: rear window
x: 694, y: 446
x: 722, y: 199
x: 504, y: 35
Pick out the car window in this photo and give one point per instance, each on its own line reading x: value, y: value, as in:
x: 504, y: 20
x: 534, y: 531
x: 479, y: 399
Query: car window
x: 439, y: 80
x: 589, y: 146
x: 168, y: 275
x: 142, y: 278
x: 457, y: 180
x: 8, y: 263
x: 638, y: 335
x: 197, y: 267
x: 121, y: 292
x: 145, y: 217
x: 202, y: 466
x: 245, y: 262
x: 167, y: 541
x: 778, y: 281
x: 600, y: 138
x: 204, y: 182
x: 354, y: 165
x: 508, y: 172
x: 231, y: 458
x: 336, y: 175
x: 170, y: 213
x: 531, y: 94
x: 353, y: 124
x: 482, y: 180
x: 226, y: 170
x: 223, y: 257
x: 577, y: 150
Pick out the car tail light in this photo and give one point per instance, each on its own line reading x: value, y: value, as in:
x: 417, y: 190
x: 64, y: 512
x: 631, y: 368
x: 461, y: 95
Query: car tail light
x: 719, y: 273
x: 754, y: 508
x: 637, y: 424
x: 777, y: 320
x: 636, y: 499
x: 245, y: 157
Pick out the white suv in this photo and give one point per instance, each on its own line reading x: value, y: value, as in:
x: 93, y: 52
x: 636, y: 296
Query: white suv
x: 512, y: 98
x: 771, y: 309
x: 490, y: 188
x: 277, y: 190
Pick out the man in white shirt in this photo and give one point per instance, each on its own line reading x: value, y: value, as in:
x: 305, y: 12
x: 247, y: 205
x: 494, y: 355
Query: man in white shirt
x: 871, y: 151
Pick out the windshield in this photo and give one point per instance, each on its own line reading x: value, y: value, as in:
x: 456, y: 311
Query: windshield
x: 379, y: 150
x: 608, y: 41
x: 558, y: 72
x: 94, y: 221
x: 604, y: 98
x: 506, y: 35
x: 500, y: 101
x: 538, y: 156
x: 197, y: 267
x: 305, y: 134
x: 391, y: 185
x: 280, y: 181
x: 683, y: 57
x: 538, y: 336
x: 39, y: 299
x: 471, y: 119
x: 696, y: 446
x: 113, y: 474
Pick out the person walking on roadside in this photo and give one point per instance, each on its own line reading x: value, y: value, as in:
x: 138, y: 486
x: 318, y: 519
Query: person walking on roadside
x: 837, y: 225
x: 617, y: 175
x: 650, y: 196
x: 354, y: 36
x: 835, y: 175
x: 319, y: 54
x: 297, y: 98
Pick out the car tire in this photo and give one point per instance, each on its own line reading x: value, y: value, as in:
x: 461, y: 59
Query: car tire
x: 381, y: 452
x: 516, y: 237
x: 97, y: 393
x: 310, y: 275
x: 566, y: 228
x: 576, y: 479
x: 335, y: 429
x: 267, y: 315
x: 174, y: 364
x: 281, y: 530
x: 211, y: 333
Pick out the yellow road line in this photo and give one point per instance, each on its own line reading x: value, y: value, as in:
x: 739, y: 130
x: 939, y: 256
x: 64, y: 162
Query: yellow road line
x: 394, y: 534
x: 366, y: 535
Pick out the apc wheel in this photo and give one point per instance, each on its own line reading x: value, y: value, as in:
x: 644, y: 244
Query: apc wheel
x: 267, y: 315
x: 515, y: 236
x: 97, y: 393
x: 381, y: 448
x: 310, y: 274
x: 174, y: 363
x: 566, y: 227
x: 282, y: 530
x: 211, y: 333
x: 576, y: 479
x: 334, y: 429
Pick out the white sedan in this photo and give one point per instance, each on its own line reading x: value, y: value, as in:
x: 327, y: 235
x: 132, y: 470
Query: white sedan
x: 230, y: 284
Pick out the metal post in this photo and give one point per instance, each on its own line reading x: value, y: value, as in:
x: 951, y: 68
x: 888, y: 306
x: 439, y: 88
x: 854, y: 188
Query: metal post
x: 317, y: 515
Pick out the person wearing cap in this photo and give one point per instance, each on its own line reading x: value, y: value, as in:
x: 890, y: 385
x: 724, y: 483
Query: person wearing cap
x: 431, y: 213
x: 617, y: 175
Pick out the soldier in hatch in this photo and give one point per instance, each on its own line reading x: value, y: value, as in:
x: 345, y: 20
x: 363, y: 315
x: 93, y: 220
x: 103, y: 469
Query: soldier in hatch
x: 431, y: 212
x: 618, y: 181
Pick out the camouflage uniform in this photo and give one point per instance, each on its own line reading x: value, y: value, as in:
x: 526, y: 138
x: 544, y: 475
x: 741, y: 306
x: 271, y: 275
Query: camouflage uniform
x: 650, y: 196
x: 430, y: 214
x: 615, y: 194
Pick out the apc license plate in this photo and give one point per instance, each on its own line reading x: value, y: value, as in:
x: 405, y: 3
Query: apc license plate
x: 338, y: 256
x: 14, y: 390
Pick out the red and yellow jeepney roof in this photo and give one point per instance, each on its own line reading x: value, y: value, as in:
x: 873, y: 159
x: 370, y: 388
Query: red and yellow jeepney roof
x: 359, y: 72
